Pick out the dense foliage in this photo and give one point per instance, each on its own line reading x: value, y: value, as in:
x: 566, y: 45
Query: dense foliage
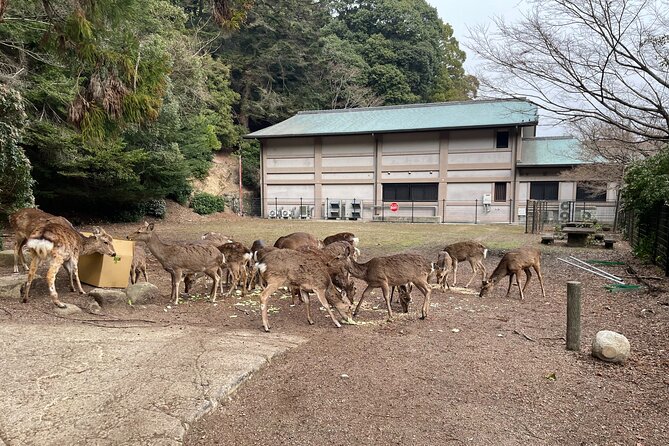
x: 126, y: 101
x: 204, y: 203
x: 647, y: 183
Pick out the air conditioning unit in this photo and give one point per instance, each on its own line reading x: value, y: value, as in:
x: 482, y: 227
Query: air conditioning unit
x: 305, y: 212
x: 487, y: 199
x: 564, y: 215
x: 565, y: 205
x: 273, y: 213
x: 585, y: 214
x: 354, y: 210
x: 285, y: 213
x: 334, y: 209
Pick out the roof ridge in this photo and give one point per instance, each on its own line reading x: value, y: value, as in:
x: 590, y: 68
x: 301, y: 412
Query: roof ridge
x: 419, y: 105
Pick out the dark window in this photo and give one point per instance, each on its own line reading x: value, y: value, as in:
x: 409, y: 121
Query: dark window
x: 410, y: 192
x: 500, y: 191
x: 502, y: 140
x: 544, y: 190
x: 591, y: 191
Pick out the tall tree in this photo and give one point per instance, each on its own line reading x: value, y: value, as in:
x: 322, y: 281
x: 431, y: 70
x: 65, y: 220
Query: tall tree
x: 593, y: 63
x: 411, y: 54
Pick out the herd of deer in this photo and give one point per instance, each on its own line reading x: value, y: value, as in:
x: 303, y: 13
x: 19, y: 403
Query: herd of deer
x: 300, y: 260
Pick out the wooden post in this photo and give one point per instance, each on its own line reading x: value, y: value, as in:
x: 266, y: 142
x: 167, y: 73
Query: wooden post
x: 574, y: 316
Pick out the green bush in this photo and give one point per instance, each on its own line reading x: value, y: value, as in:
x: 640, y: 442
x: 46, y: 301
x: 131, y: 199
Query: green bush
x: 156, y: 208
x: 204, y: 203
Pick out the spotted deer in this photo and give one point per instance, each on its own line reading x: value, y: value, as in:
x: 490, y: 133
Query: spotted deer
x: 23, y: 222
x: 63, y: 245
x: 180, y: 258
x: 512, y: 263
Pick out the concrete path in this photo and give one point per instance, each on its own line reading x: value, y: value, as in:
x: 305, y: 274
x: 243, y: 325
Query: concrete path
x: 86, y: 385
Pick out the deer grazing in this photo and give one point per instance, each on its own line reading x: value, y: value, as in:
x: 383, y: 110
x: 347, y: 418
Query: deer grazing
x: 512, y: 263
x: 472, y: 251
x: 237, y: 258
x: 23, y: 222
x: 444, y: 267
x: 138, y: 265
x: 63, y: 245
x: 180, y: 258
x: 394, y: 270
x: 341, y: 237
x: 304, y: 272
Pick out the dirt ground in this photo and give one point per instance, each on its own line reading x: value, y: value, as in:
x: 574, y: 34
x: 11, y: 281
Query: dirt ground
x: 490, y: 371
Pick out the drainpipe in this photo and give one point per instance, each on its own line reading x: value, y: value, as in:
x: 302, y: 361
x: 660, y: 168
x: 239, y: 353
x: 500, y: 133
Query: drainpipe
x: 514, y: 166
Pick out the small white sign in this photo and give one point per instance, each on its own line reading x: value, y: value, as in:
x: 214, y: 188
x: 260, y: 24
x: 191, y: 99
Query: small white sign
x: 522, y: 212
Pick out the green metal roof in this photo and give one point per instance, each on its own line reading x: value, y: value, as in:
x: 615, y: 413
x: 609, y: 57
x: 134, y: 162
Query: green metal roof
x: 405, y: 118
x: 551, y: 151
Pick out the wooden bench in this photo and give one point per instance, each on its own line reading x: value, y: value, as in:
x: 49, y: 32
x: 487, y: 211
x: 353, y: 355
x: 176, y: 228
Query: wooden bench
x: 608, y: 243
x: 547, y: 239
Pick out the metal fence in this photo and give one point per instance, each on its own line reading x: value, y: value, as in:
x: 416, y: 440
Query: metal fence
x: 648, y: 234
x: 544, y: 215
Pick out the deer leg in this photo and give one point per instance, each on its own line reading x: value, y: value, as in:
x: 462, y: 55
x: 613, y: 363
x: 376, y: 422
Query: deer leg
x: 425, y: 288
x: 320, y: 294
x: 386, y: 295
x: 216, y: 278
x: 235, y: 278
x: 482, y: 269
x: 18, y: 254
x: 68, y: 268
x: 537, y: 269
x: 455, y: 271
x: 75, y: 273
x: 146, y: 276
x: 56, y: 263
x: 518, y: 283
x: 305, y: 298
x: 364, y: 294
x: 271, y: 287
x: 508, y: 290
x: 25, y: 289
x: 176, y: 284
x: 528, y: 276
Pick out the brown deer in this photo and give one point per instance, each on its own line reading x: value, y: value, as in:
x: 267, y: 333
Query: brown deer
x: 180, y: 258
x: 341, y: 236
x: 302, y: 271
x: 338, y: 271
x: 23, y: 222
x: 237, y: 258
x: 63, y: 245
x: 138, y: 264
x: 216, y: 238
x: 472, y: 251
x: 297, y: 240
x: 512, y: 263
x: 444, y: 267
x: 394, y: 270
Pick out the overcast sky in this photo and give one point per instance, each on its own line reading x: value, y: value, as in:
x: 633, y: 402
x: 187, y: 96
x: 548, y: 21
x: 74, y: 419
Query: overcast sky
x: 469, y: 13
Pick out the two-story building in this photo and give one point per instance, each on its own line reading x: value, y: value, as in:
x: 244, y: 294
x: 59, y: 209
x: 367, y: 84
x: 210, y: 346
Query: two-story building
x: 473, y: 161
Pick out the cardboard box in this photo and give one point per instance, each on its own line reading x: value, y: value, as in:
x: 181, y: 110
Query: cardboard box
x: 103, y: 271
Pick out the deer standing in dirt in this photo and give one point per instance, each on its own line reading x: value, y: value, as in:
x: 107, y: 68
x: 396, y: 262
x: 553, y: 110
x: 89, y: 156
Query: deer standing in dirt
x: 63, y: 245
x: 394, y: 270
x: 512, y: 263
x: 180, y: 258
x: 472, y: 251
x: 138, y: 265
x: 237, y: 258
x: 23, y: 222
x: 444, y: 267
x: 303, y: 272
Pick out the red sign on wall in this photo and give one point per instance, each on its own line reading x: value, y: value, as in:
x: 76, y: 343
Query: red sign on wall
x: 394, y: 207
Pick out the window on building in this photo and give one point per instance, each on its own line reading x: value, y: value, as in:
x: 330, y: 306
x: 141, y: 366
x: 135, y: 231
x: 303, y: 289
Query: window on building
x: 410, y: 192
x: 591, y: 191
x: 544, y: 190
x: 500, y: 192
x: 502, y: 140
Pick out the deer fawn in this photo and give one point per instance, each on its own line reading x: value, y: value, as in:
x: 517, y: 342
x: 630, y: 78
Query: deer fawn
x: 138, y: 264
x: 63, y: 245
x: 513, y: 263
x: 23, y: 222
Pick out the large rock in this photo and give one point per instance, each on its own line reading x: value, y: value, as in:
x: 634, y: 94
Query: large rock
x: 142, y: 293
x: 10, y: 285
x: 610, y: 346
x: 108, y: 298
x: 69, y: 310
x: 7, y: 258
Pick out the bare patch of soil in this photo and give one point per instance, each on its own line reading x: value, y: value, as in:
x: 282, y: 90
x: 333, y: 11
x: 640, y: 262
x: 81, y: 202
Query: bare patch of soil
x: 490, y: 371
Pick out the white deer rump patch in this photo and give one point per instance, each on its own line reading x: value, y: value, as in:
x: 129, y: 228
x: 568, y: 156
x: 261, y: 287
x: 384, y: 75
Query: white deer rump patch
x: 261, y: 267
x: 485, y: 253
x: 40, y: 245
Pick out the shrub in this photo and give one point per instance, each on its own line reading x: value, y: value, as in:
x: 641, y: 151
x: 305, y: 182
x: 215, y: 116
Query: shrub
x: 156, y: 208
x: 204, y: 203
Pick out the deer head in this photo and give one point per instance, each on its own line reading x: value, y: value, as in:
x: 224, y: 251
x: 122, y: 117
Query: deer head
x: 104, y: 243
x: 143, y: 234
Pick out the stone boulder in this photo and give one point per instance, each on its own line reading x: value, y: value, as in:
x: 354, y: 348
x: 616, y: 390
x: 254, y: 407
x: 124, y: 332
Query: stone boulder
x: 142, y: 293
x: 7, y: 258
x: 109, y: 298
x: 610, y: 346
x: 69, y: 310
x: 10, y: 286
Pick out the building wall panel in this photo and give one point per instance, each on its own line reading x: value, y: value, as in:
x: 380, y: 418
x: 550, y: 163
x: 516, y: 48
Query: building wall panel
x: 468, y: 140
x: 411, y: 143
x: 289, y: 147
x: 363, y: 161
x: 358, y: 145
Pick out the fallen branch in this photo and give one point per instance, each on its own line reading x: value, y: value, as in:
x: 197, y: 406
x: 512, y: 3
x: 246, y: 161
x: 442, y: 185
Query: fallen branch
x: 8, y: 312
x: 524, y: 335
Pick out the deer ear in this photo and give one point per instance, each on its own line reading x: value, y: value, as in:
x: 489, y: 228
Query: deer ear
x: 96, y: 230
x: 150, y: 226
